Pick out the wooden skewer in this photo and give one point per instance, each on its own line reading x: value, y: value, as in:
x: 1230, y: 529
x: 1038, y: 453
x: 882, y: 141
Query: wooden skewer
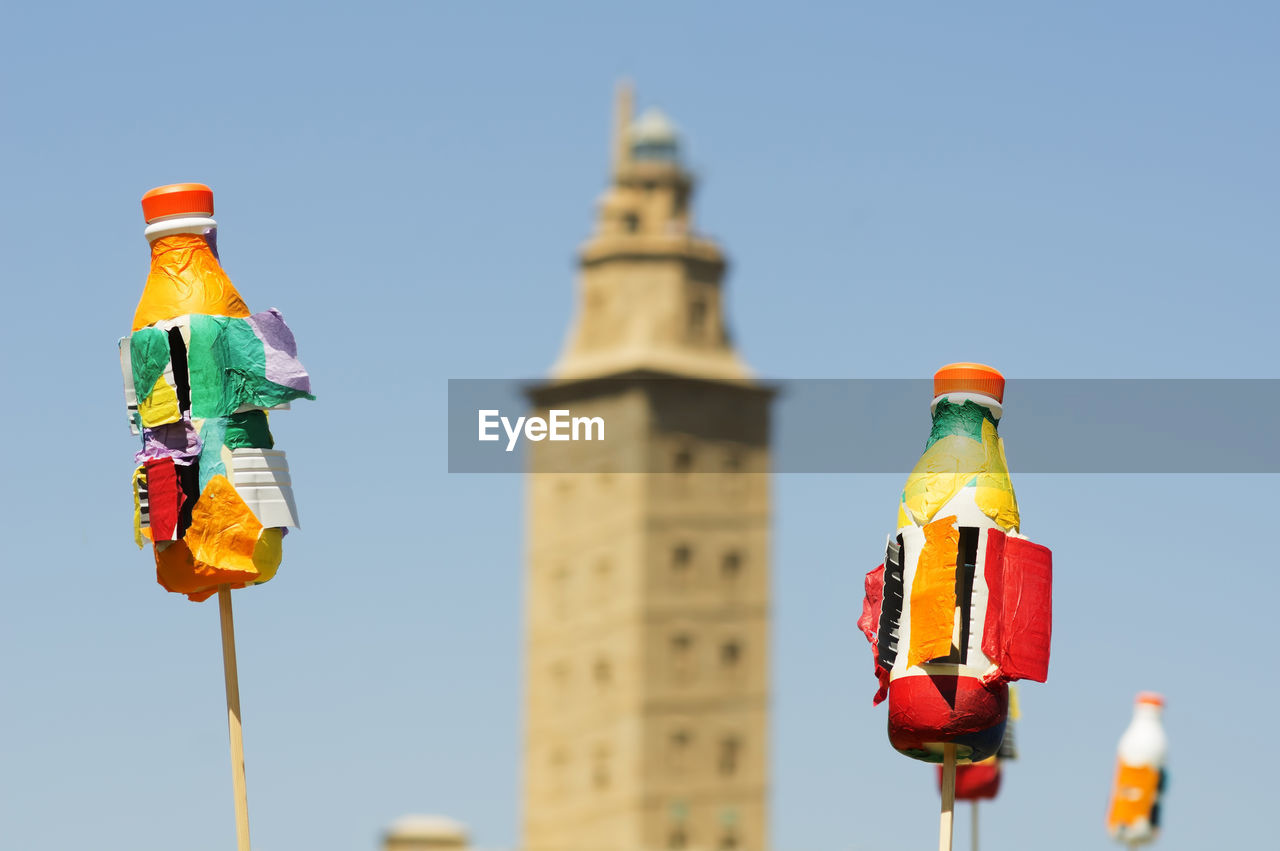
x: 233, y: 717
x: 948, y: 796
x: 973, y: 844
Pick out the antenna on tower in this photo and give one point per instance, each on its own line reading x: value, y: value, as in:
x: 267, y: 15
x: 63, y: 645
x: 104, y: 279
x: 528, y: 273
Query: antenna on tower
x: 623, y: 111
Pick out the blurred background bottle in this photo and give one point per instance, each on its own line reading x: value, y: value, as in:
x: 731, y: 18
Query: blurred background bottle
x: 1134, y: 815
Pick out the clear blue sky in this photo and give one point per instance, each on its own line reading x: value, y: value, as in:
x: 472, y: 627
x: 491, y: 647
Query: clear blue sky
x: 1082, y: 192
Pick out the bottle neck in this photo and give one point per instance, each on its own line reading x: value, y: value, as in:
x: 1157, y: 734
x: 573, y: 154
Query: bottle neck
x: 1147, y: 712
x: 961, y: 417
x: 186, y: 277
x: 991, y: 404
x: 171, y: 225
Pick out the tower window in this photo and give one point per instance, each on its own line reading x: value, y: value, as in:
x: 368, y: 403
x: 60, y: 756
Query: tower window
x: 679, y: 747
x: 681, y: 566
x: 681, y: 560
x: 600, y: 768
x: 604, y: 571
x: 631, y: 222
x: 560, y: 592
x: 731, y: 565
x: 682, y: 655
x: 559, y: 768
x: 728, y: 841
x: 730, y: 755
x: 560, y: 679
x: 734, y: 483
x: 683, y: 461
x: 697, y: 318
x: 730, y: 654
x: 678, y: 837
x: 603, y: 672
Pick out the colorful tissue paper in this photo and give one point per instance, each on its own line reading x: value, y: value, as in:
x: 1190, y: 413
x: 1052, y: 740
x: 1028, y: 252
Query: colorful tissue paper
x: 962, y: 604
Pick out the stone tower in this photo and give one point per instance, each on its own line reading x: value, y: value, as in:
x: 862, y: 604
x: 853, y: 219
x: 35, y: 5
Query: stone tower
x: 647, y: 593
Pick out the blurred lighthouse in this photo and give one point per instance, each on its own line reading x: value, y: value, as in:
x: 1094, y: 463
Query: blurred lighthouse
x: 647, y: 601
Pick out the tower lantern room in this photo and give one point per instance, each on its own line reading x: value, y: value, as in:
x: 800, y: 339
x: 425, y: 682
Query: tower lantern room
x: 651, y: 287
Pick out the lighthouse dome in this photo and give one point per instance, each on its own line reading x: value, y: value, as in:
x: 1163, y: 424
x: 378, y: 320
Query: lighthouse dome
x: 654, y: 137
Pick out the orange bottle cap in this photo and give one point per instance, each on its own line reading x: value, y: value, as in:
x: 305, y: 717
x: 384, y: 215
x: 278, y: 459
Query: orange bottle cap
x: 969, y: 378
x: 1151, y: 698
x: 177, y: 199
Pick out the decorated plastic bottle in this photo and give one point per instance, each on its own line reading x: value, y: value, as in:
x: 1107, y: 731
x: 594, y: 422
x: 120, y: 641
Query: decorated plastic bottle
x: 961, y: 605
x: 1134, y: 814
x: 210, y: 491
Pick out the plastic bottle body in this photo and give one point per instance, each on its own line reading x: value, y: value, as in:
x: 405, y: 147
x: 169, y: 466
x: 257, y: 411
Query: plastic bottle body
x: 954, y: 498
x: 211, y: 492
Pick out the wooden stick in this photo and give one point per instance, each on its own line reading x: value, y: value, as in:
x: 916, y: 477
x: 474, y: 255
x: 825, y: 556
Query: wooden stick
x: 233, y: 717
x: 973, y: 844
x: 948, y: 796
